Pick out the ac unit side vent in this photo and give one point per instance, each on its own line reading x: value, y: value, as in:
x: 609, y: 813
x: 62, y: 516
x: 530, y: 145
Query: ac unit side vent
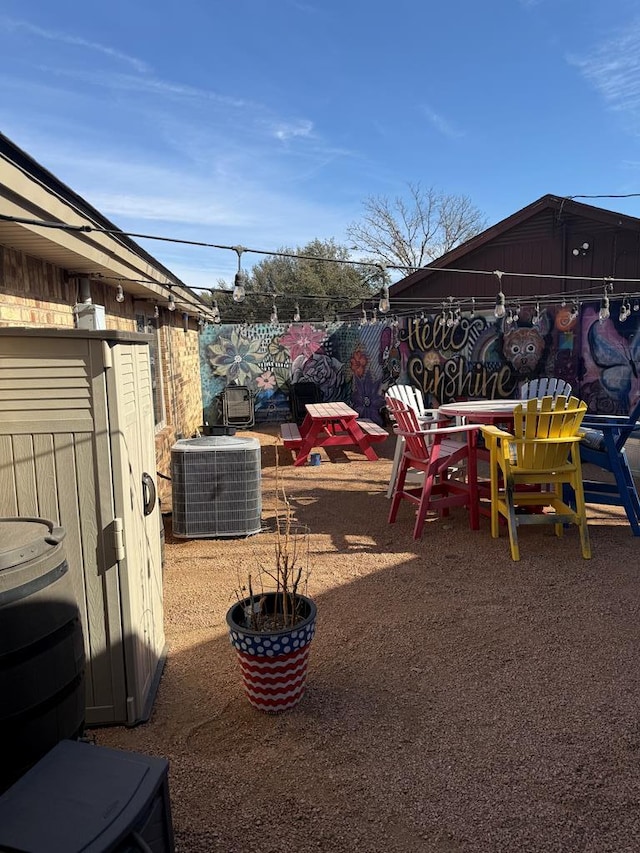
x: 216, y: 486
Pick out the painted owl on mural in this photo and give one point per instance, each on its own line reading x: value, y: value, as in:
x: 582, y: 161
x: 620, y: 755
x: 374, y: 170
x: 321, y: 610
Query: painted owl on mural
x: 524, y: 346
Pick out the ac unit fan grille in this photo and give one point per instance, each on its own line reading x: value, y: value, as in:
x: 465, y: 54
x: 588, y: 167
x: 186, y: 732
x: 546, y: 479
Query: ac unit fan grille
x: 216, y: 489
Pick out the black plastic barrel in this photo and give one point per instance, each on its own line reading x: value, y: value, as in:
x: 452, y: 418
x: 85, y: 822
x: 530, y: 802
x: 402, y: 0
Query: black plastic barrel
x: 42, y: 658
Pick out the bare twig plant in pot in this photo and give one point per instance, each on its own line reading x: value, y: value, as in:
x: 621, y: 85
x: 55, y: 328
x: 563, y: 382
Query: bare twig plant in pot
x: 271, y: 630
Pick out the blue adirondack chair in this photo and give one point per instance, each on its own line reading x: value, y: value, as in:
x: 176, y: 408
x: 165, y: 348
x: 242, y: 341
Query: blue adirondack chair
x: 603, y: 441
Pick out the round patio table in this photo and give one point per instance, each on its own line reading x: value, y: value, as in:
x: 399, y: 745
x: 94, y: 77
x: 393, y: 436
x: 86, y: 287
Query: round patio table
x: 481, y: 411
x: 495, y: 412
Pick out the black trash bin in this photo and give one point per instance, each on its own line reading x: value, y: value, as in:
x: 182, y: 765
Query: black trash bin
x: 42, y: 691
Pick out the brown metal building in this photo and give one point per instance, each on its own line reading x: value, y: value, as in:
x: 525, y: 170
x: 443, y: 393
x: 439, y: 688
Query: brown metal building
x: 552, y: 236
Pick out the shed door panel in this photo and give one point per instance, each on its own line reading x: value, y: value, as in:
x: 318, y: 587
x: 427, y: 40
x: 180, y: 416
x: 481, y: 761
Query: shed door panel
x: 133, y: 448
x: 50, y: 448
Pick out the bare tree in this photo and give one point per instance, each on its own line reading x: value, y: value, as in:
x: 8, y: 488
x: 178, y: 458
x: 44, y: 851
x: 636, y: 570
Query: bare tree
x: 410, y: 232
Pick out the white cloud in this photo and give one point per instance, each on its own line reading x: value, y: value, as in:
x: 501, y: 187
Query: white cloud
x: 441, y: 124
x: 178, y: 161
x: 613, y: 69
x: 288, y: 131
x: 64, y: 38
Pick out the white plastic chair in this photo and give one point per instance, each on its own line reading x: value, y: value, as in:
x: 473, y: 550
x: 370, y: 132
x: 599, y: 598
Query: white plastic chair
x: 413, y: 399
x: 545, y: 387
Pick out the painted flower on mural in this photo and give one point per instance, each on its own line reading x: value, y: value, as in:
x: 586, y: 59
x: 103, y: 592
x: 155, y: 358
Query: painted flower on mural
x: 278, y: 350
x: 237, y: 358
x: 367, y: 398
x: 430, y: 359
x: 266, y: 381
x: 325, y: 371
x: 302, y: 340
x: 359, y: 361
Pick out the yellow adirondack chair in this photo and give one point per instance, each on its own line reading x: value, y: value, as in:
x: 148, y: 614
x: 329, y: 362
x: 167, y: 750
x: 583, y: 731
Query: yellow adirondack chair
x: 543, y: 451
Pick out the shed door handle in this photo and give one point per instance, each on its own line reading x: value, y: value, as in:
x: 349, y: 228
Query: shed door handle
x: 149, y: 493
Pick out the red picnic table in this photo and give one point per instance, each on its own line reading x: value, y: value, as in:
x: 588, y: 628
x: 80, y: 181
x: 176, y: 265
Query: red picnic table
x: 329, y: 425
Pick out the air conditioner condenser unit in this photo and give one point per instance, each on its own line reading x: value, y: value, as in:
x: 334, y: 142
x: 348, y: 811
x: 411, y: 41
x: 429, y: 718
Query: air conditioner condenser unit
x: 216, y: 487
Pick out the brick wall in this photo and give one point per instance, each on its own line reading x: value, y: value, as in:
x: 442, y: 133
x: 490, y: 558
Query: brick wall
x: 32, y: 292
x: 36, y: 293
x: 180, y: 358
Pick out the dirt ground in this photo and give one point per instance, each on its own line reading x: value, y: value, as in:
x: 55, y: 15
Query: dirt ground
x: 456, y: 701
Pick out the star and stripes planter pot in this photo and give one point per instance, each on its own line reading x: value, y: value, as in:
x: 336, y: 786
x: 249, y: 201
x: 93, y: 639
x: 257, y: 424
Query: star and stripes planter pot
x: 273, y: 663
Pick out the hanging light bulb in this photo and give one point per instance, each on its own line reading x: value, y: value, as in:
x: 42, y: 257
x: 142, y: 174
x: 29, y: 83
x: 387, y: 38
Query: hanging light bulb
x: 509, y: 317
x: 535, y: 319
x: 171, y: 304
x: 575, y: 309
x: 239, y: 286
x: 119, y: 293
x: 363, y: 317
x: 274, y: 314
x: 201, y: 322
x: 215, y: 311
x: 604, y: 312
x: 240, y: 280
x: 296, y: 314
x: 450, y: 313
x: 636, y: 305
x: 156, y: 311
x: 374, y: 315
x: 384, y: 305
x: 500, y: 310
x: 472, y: 313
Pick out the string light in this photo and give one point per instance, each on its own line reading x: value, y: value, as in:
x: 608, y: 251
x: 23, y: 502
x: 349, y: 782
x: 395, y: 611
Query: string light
x: 499, y: 305
x: 535, y: 318
x: 604, y: 312
x: 240, y: 281
x: 156, y: 311
x: 215, y: 311
x: 171, y: 302
x: 274, y: 313
x: 384, y: 305
x: 625, y: 310
x: 499, y: 310
x: 296, y: 314
x: 119, y: 293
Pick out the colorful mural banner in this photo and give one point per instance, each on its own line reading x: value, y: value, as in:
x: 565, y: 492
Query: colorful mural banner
x: 346, y: 362
x: 477, y: 357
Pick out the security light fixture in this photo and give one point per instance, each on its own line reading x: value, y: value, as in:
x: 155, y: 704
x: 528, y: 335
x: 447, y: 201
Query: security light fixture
x: 581, y: 250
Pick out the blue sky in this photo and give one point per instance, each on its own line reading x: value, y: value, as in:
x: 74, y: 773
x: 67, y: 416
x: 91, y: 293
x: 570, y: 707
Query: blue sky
x: 265, y: 123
